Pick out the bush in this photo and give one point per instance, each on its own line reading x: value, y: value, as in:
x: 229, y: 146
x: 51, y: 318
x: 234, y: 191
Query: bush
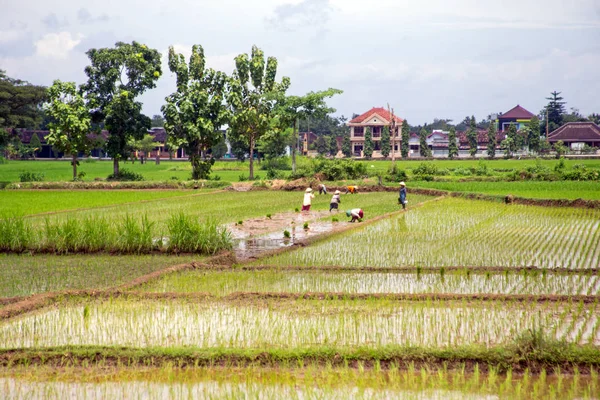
x: 125, y: 175
x: 396, y: 174
x: 31, y: 176
x: 279, y: 163
x: 190, y: 235
x: 334, y: 170
x: 580, y: 172
x: 462, y: 172
x: 3, y: 160
x: 426, y: 169
x: 275, y: 174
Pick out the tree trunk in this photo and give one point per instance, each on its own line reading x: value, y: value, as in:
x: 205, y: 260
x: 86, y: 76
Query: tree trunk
x: 74, y: 162
x: 115, y: 166
x: 294, y: 145
x: 251, y: 177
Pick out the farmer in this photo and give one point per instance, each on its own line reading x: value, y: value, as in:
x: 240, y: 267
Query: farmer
x: 322, y: 189
x: 356, y: 214
x: 308, y: 196
x: 402, y: 195
x: 335, y: 200
x: 351, y: 189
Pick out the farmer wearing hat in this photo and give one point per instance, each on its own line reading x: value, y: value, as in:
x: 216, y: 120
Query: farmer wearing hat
x: 356, y: 214
x: 402, y: 195
x: 335, y: 200
x: 308, y: 196
x: 322, y: 189
x: 351, y: 189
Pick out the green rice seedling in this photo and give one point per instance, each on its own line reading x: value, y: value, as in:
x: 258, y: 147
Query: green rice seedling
x: 190, y: 235
x: 335, y: 219
x: 240, y: 222
x: 135, y: 235
x: 16, y: 233
x: 268, y: 216
x: 286, y: 234
x: 305, y: 226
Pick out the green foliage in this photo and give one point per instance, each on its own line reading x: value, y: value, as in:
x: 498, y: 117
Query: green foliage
x: 368, y: 149
x: 396, y: 174
x: 322, y: 146
x: 472, y: 137
x: 305, y: 225
x: 491, y: 146
x: 250, y: 99
x: 195, y: 113
x: 145, y: 145
x: 404, y: 147
x: 332, y: 170
x: 157, y: 121
x: 116, y: 76
x: 533, y: 134
x: 347, y: 146
x: 188, y: 234
x: 35, y: 143
x: 507, y: 145
x: 333, y: 145
x: 555, y: 109
x: 560, y: 149
x: 426, y: 168
x: 286, y: 234
x: 424, y: 149
x: 16, y: 233
x: 219, y: 149
x: 20, y: 104
x: 452, y: 145
x: 29, y: 176
x: 385, y: 142
x: 125, y: 175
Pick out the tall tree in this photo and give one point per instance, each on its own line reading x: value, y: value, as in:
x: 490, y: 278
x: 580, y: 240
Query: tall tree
x: 158, y: 121
x: 385, y: 142
x: 368, y: 149
x: 252, y: 90
x: 424, y: 150
x: 35, y: 144
x: 513, y: 143
x: 116, y: 76
x: 452, y: 145
x: 347, y: 146
x: 20, y: 103
x: 195, y: 113
x: 71, y: 121
x: 533, y: 134
x: 404, y: 147
x: 472, y: 137
x: 555, y: 111
x: 595, y: 118
x: 491, y: 145
x: 333, y: 145
x: 145, y: 145
x: 294, y: 109
x: 322, y: 145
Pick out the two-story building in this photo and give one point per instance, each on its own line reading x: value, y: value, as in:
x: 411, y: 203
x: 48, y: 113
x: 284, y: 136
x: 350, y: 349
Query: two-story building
x: 375, y: 119
x: 517, y: 115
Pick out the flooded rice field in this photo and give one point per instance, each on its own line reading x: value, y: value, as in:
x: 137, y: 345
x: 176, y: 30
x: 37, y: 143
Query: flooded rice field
x: 297, y: 323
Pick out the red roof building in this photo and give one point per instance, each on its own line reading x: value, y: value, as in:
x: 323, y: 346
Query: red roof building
x: 375, y: 119
x: 577, y: 132
x: 517, y: 116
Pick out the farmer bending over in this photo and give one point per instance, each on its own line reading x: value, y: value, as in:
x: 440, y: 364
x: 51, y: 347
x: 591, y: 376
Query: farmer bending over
x: 322, y: 189
x: 335, y: 200
x: 356, y: 214
x: 308, y: 196
x: 351, y: 189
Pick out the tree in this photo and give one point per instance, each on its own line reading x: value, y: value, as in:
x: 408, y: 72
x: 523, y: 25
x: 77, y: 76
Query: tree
x: 347, y: 146
x: 472, y: 137
x: 195, y: 113
x: 20, y: 103
x: 71, y: 121
x: 368, y: 149
x: 322, y: 145
x: 491, y: 145
x: 219, y: 149
x: 333, y: 145
x: 116, y: 76
x: 452, y: 145
x: 158, y: 121
x: 560, y: 149
x: 533, y: 134
x: 423, y: 147
x: 554, y: 111
x: 251, y: 99
x: 595, y: 118
x: 507, y: 145
x: 385, y: 142
x: 145, y: 145
x: 405, y: 138
x: 295, y: 109
x: 513, y: 143
x: 35, y: 144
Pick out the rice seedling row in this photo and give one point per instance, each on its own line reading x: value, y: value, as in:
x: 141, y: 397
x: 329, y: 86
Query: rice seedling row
x: 311, y: 381
x: 297, y: 323
x: 457, y: 232
x: 222, y: 283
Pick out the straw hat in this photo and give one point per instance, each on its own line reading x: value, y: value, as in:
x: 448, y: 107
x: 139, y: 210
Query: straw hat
x: 337, y: 192
x: 402, y: 184
x: 308, y: 190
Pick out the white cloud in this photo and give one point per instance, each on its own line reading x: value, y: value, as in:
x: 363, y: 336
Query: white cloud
x: 57, y: 45
x: 10, y: 36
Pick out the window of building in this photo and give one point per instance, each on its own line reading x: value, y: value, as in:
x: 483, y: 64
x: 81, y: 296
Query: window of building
x: 359, y: 131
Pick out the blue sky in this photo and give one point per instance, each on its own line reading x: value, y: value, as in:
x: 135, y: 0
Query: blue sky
x: 428, y: 59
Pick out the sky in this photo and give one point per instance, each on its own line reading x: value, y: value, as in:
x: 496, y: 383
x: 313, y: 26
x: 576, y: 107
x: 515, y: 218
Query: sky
x: 427, y: 59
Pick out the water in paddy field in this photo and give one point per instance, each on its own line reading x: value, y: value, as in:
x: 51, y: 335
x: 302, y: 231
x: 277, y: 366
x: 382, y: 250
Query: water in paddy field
x: 248, y: 246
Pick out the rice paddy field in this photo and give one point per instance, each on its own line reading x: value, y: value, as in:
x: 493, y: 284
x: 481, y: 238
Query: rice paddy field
x: 452, y: 298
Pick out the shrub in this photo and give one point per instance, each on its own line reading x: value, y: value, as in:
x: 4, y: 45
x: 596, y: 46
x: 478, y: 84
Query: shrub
x: 190, y: 235
x: 3, y: 160
x: 580, y: 172
x: 31, y: 176
x: 278, y: 163
x: 275, y: 174
x: 396, y: 174
x: 125, y: 175
x: 332, y: 170
x: 426, y: 169
x: 462, y: 172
